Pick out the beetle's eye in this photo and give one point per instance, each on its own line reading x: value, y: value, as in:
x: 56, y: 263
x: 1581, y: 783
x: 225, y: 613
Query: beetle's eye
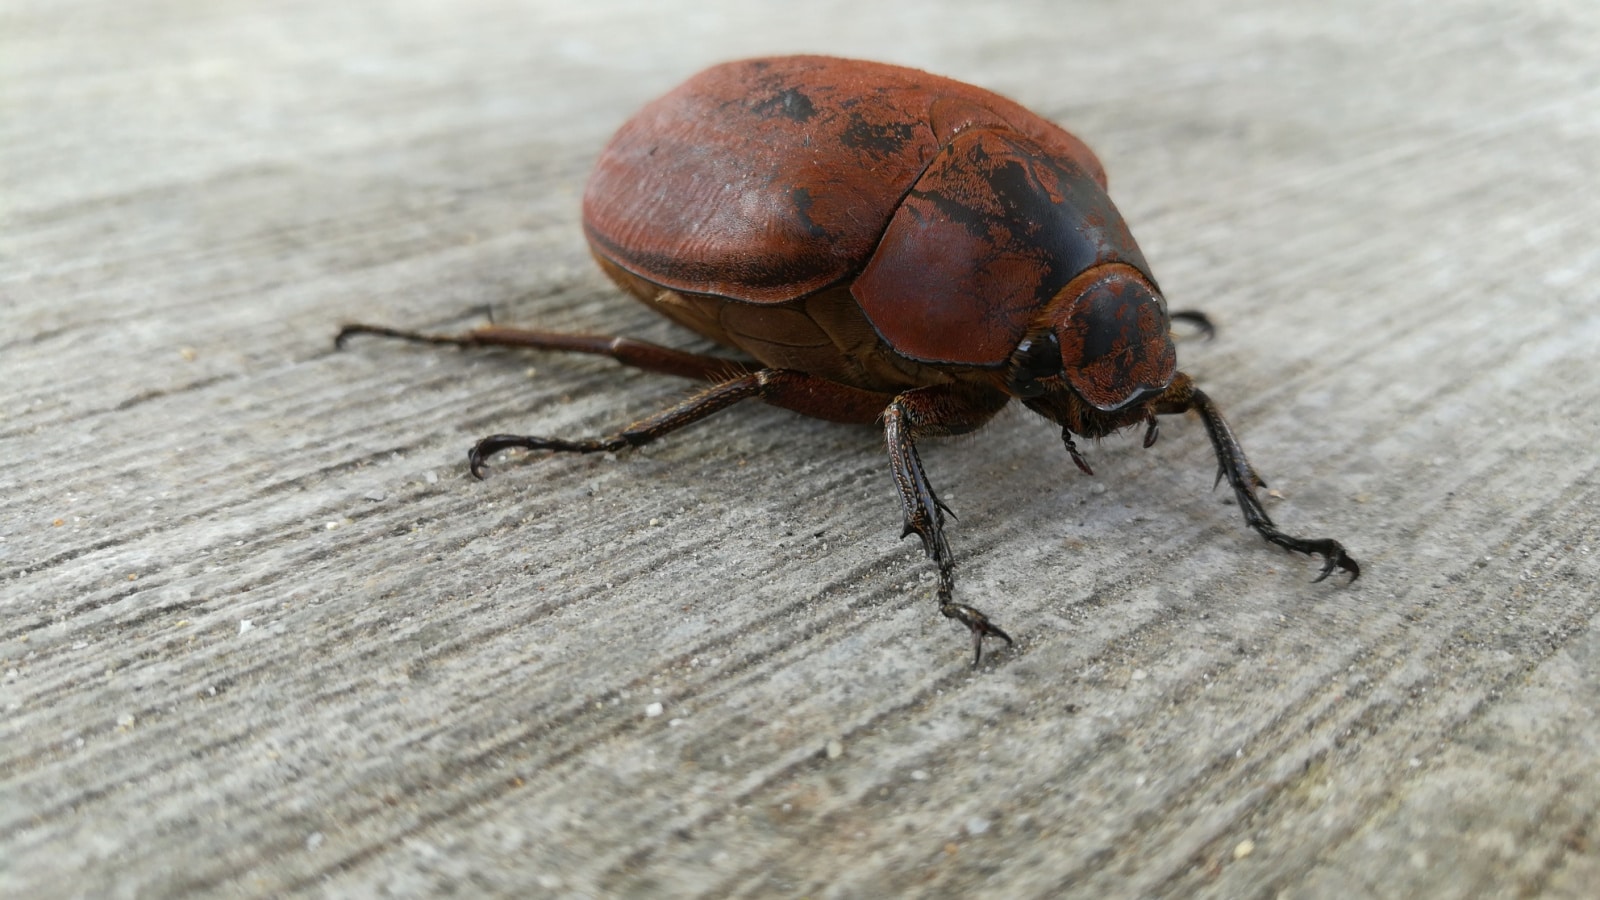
x: 1035, y: 358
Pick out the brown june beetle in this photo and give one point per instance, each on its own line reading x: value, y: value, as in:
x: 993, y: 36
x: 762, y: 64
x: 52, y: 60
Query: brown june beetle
x: 881, y: 244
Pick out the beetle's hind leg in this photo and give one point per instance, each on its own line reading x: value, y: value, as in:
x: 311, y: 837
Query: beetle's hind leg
x: 629, y: 352
x: 1232, y: 464
x: 714, y: 399
x: 927, y: 412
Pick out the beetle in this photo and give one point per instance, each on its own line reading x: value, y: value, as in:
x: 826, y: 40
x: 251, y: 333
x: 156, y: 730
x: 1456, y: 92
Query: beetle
x: 883, y: 245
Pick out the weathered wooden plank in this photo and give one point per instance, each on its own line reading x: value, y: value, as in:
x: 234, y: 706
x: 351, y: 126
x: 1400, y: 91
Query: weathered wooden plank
x: 260, y: 633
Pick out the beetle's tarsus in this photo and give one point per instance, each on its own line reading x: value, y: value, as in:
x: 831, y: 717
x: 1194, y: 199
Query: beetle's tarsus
x: 1334, y: 559
x: 489, y: 446
x: 1198, y: 319
x: 475, y: 460
x: 494, y: 443
x: 978, y: 624
x: 1347, y: 563
x: 342, y: 339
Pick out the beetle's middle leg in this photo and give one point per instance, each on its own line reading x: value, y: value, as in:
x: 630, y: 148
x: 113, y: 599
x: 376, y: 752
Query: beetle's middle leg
x: 929, y: 412
x: 780, y: 387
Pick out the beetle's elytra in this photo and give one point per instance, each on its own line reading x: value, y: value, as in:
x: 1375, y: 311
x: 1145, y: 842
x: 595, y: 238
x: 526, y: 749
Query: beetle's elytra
x: 884, y: 244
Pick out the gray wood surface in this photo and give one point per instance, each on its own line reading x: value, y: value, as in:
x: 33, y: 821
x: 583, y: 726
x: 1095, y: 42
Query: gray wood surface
x: 260, y: 634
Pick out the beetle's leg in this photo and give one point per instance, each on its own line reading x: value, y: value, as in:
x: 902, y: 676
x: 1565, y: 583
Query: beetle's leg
x: 713, y: 399
x: 1198, y: 319
x: 629, y: 352
x: 928, y: 412
x: 779, y: 387
x: 1077, y: 458
x: 1232, y: 464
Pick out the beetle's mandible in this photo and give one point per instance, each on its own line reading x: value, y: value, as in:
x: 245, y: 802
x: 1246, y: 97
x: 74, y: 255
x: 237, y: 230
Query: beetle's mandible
x: 881, y: 244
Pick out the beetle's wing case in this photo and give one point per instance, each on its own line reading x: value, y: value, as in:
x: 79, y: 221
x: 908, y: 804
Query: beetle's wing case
x: 766, y: 180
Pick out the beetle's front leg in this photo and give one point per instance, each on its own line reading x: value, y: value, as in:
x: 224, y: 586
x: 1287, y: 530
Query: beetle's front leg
x: 1232, y: 464
x: 927, y: 412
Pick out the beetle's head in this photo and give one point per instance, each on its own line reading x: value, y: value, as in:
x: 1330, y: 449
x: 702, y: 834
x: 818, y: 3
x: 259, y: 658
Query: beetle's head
x: 1098, y: 354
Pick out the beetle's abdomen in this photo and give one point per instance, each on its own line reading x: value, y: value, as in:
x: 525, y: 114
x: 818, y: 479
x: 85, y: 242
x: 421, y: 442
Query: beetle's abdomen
x: 822, y: 334
x: 767, y: 180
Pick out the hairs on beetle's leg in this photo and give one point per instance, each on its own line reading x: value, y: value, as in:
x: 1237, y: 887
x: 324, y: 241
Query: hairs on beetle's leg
x: 1233, y: 465
x: 922, y: 413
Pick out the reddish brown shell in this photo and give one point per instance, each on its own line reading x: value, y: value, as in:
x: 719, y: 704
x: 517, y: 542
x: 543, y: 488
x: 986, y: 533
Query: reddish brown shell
x: 766, y: 180
x: 994, y: 228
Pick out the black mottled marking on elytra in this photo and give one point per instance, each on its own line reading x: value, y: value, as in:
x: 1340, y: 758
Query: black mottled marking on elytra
x: 1065, y: 230
x: 975, y: 222
x: 791, y: 103
x: 802, y: 210
x: 883, y: 138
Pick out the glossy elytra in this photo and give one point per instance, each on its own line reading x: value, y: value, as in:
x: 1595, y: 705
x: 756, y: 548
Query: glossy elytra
x: 881, y: 245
